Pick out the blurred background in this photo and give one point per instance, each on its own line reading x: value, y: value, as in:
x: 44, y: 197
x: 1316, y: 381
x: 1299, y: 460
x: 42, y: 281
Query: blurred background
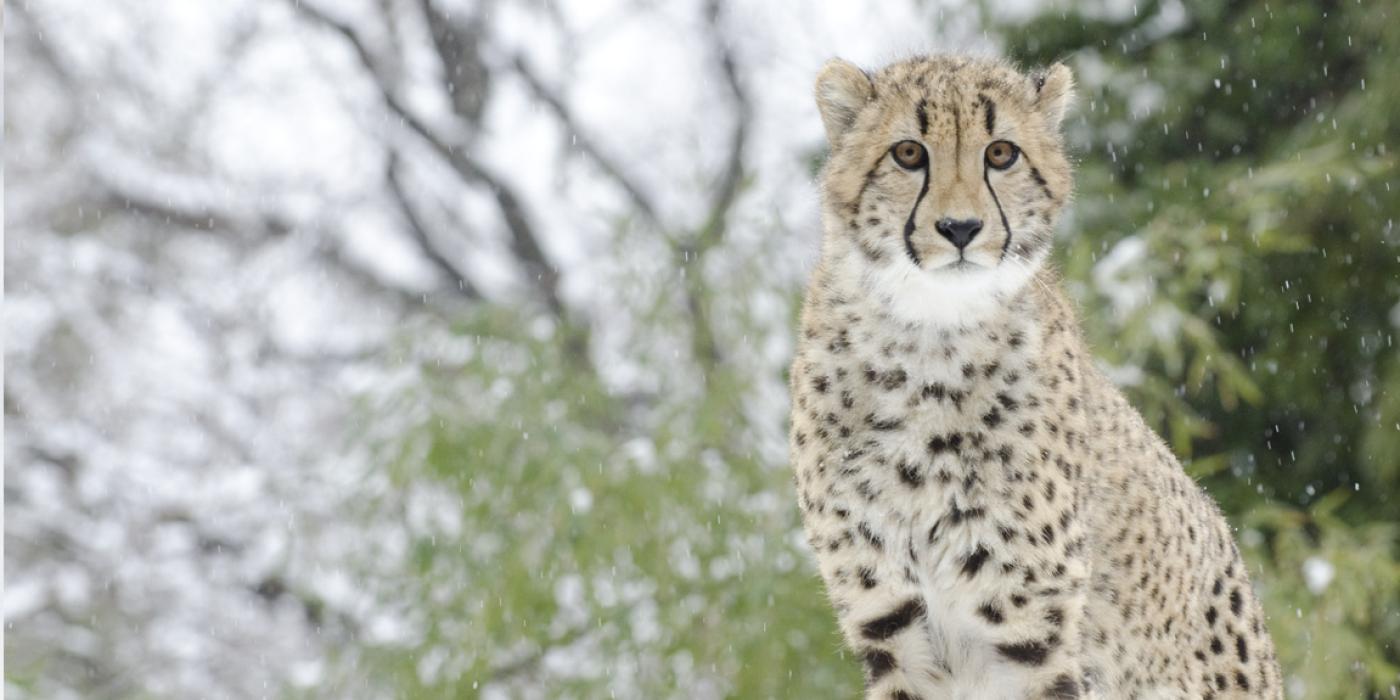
x: 437, y: 348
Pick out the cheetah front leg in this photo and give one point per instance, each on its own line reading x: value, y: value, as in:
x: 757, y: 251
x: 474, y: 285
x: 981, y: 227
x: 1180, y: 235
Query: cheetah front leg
x: 1067, y: 683
x: 1060, y: 679
x: 1035, y: 651
x: 908, y: 653
x: 905, y: 658
x: 888, y: 629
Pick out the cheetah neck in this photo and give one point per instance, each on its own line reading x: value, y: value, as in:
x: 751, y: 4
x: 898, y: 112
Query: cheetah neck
x: 924, y: 300
x: 1024, y: 328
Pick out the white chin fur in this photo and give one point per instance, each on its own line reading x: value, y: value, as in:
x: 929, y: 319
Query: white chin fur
x: 941, y: 297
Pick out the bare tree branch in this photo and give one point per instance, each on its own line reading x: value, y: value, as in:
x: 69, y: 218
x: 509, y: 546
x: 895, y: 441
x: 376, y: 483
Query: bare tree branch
x: 419, y: 231
x: 691, y: 253
x: 713, y: 230
x: 38, y: 44
x: 585, y: 144
x: 524, y: 242
x: 121, y: 182
x: 196, y: 210
x: 457, y: 43
x: 335, y: 256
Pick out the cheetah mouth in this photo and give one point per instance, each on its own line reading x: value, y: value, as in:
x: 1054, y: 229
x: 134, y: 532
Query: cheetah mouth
x: 960, y: 265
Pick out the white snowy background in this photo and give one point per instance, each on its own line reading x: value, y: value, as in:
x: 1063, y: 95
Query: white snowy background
x: 240, y: 232
x: 206, y: 271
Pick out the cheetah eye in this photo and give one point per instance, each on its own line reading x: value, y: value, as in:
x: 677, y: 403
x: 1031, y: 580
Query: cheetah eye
x: 1002, y: 154
x: 909, y: 154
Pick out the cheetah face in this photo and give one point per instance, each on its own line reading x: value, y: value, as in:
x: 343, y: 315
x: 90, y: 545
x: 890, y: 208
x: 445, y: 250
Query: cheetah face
x: 945, y: 178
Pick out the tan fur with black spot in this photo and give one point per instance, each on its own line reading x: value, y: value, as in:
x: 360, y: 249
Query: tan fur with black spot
x: 990, y: 516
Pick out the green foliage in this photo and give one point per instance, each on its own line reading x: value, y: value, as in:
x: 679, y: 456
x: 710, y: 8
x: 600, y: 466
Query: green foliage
x: 1336, y: 636
x: 664, y: 552
x: 1234, y: 252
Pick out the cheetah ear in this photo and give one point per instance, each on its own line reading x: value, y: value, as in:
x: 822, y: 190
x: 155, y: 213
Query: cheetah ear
x: 842, y: 90
x: 1054, y: 92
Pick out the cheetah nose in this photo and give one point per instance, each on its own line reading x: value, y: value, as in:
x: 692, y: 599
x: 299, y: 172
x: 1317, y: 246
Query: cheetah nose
x: 959, y: 232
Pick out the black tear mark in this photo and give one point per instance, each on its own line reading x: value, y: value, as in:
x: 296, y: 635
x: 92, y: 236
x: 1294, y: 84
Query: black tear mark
x: 1028, y: 653
x: 890, y: 624
x: 909, y: 224
x: 987, y: 178
x: 989, y: 109
x: 921, y: 113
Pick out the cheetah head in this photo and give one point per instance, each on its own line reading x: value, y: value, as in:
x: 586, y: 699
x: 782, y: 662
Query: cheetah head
x: 945, y: 180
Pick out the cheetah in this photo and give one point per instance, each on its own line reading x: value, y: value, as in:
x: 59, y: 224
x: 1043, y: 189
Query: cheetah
x: 990, y: 517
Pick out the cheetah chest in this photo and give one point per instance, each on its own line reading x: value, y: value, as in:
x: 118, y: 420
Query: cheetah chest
x: 933, y: 462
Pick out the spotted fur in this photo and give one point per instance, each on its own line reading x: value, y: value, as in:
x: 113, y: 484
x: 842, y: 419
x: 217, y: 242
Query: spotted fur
x: 990, y: 516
